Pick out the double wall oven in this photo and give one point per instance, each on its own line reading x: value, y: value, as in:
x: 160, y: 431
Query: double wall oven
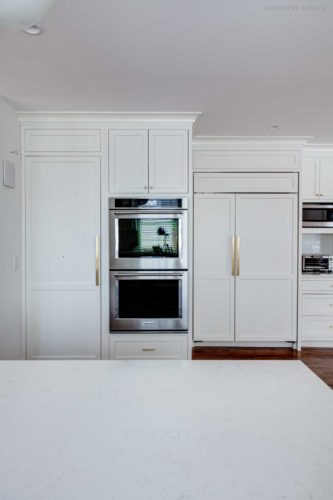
x: 148, y: 264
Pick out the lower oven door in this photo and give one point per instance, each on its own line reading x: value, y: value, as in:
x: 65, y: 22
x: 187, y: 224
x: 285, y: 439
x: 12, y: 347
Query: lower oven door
x: 146, y: 300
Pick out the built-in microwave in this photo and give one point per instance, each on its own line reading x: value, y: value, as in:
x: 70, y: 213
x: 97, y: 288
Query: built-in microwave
x: 317, y: 215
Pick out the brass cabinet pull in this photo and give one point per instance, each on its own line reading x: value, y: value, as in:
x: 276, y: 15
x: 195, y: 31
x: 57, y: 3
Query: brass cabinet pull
x: 233, y: 249
x: 237, y: 255
x: 97, y: 262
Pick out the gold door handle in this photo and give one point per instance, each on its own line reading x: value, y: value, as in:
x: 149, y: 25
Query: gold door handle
x: 97, y: 262
x: 237, y: 255
x: 233, y: 247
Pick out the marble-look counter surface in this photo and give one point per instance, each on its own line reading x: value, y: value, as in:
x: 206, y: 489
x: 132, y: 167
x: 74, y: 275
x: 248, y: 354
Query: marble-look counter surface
x: 164, y: 430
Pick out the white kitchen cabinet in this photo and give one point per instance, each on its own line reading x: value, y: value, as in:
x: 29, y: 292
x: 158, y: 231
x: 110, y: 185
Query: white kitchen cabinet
x: 214, y: 282
x: 168, y: 161
x: 311, y: 187
x: 148, y: 346
x: 148, y: 161
x: 318, y: 179
x: 266, y: 287
x: 128, y: 161
x: 62, y: 257
x: 326, y: 179
x: 245, y: 267
x: 317, y: 310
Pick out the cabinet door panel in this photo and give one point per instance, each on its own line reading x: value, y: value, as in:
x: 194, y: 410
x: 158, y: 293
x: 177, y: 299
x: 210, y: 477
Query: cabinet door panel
x: 168, y: 161
x: 63, y: 220
x: 310, y: 188
x: 266, y: 288
x: 213, y: 279
x: 326, y: 179
x: 128, y: 161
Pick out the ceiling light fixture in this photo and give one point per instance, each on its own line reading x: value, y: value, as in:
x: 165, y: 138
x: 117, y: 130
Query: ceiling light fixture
x: 23, y: 14
x: 33, y: 30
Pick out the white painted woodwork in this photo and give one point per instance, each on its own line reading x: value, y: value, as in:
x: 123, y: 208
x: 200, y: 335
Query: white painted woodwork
x: 242, y: 182
x: 168, y: 161
x: 62, y: 140
x: 128, y: 161
x: 266, y: 288
x: 310, y: 186
x: 317, y: 304
x: 62, y: 222
x: 246, y: 160
x: 148, y: 346
x: 319, y: 286
x: 326, y: 179
x: 317, y: 328
x: 214, y: 217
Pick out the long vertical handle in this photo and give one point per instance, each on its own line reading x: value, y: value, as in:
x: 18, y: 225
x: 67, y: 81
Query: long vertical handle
x: 233, y: 247
x: 97, y: 262
x: 237, y: 255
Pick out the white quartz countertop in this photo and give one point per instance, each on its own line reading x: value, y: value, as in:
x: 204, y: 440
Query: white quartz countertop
x: 164, y: 430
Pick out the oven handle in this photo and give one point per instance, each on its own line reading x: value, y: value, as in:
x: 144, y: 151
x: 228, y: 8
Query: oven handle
x: 147, y: 213
x: 125, y: 274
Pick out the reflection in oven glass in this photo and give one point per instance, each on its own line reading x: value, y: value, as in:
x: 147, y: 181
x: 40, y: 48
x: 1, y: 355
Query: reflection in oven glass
x: 148, y: 238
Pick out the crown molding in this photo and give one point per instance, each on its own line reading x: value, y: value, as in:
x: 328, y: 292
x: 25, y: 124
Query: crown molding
x: 227, y: 143
x: 89, y: 117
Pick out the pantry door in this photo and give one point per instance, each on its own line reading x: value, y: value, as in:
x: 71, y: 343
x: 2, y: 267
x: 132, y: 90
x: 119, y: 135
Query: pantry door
x: 62, y: 257
x: 266, y: 281
x: 214, y: 229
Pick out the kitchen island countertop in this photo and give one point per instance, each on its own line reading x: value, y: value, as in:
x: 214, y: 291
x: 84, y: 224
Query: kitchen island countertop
x: 164, y: 430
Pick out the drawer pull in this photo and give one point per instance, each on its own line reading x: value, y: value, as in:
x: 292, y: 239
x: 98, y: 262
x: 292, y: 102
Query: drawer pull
x: 331, y: 326
x: 146, y: 349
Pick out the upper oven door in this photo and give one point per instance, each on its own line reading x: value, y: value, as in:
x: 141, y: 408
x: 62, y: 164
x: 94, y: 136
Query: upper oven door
x: 143, y: 240
x: 317, y: 215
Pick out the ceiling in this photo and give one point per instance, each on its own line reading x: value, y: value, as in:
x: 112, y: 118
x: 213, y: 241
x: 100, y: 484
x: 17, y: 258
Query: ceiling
x: 246, y: 64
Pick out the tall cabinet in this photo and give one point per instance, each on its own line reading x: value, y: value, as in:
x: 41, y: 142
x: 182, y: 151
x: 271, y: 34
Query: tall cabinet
x: 72, y: 164
x: 245, y: 243
x: 317, y: 289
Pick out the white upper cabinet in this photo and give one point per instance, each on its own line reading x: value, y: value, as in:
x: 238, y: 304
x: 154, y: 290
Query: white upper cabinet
x: 326, y: 179
x: 168, y: 161
x: 128, y: 161
x: 154, y: 161
x: 318, y: 178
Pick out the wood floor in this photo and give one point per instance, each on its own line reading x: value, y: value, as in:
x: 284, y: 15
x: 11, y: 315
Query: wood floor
x: 319, y: 360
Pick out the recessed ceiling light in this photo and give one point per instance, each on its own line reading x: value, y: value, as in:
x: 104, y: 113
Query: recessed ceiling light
x: 33, y: 30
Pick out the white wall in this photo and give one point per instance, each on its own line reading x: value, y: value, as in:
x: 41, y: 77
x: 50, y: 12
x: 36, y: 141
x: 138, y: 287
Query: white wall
x: 11, y: 344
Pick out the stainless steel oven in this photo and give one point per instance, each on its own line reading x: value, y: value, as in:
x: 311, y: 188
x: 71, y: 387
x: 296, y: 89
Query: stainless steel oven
x: 148, y: 300
x: 148, y: 233
x: 317, y: 215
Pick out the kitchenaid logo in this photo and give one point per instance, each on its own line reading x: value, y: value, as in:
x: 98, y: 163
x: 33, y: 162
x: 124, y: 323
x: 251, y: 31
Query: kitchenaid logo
x: 314, y: 8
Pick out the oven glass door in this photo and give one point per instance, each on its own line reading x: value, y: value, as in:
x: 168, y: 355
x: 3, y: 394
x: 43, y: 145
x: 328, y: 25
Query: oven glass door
x: 148, y: 301
x: 317, y: 215
x: 147, y: 241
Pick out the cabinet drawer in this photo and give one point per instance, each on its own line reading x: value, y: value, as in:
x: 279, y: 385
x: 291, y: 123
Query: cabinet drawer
x: 318, y: 304
x: 172, y: 347
x: 321, y: 286
x: 245, y: 183
x: 62, y: 140
x: 317, y: 328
